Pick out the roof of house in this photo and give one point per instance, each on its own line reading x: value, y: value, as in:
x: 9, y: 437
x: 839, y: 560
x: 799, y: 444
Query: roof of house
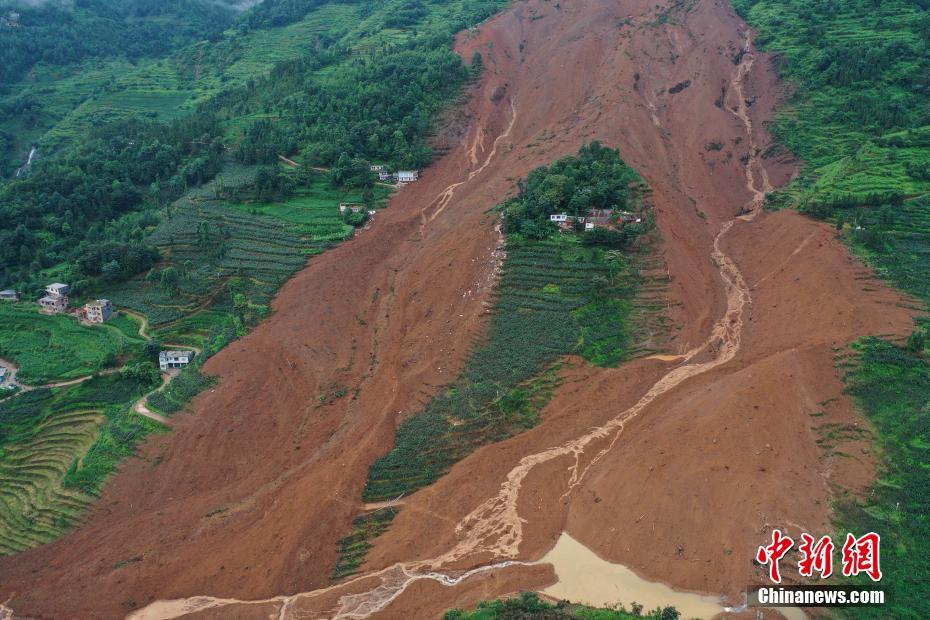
x: 175, y: 354
x: 51, y: 299
x: 57, y: 285
x: 8, y: 292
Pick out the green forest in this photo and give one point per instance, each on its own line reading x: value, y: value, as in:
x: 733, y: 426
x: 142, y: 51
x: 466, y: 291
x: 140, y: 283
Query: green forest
x: 369, y: 89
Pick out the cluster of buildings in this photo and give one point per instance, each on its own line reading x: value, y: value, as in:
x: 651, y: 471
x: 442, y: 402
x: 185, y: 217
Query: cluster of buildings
x: 56, y: 301
x: 596, y: 218
x: 401, y: 176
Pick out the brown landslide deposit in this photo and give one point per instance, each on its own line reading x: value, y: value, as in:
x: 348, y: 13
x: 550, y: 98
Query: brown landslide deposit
x: 677, y: 468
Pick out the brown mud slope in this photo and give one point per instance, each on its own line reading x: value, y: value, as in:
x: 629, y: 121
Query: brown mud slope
x: 675, y: 469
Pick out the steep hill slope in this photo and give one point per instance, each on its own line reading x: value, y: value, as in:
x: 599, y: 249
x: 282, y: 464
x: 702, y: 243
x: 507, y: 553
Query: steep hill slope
x: 675, y: 467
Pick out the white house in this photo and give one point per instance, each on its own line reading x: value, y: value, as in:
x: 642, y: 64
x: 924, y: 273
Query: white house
x: 559, y: 218
x: 174, y: 359
x: 59, y: 289
x: 384, y: 176
x: 98, y: 311
x: 9, y: 295
x: 407, y: 176
x: 377, y: 168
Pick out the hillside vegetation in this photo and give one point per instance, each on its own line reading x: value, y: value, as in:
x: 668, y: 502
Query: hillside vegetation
x: 860, y: 119
x: 528, y: 606
x: 49, y: 348
x: 57, y: 446
x: 892, y: 385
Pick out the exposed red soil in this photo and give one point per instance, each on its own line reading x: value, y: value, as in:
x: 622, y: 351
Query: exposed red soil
x: 248, y: 495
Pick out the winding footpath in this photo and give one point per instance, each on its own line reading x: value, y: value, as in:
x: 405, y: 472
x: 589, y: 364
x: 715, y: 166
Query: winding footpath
x: 139, y: 406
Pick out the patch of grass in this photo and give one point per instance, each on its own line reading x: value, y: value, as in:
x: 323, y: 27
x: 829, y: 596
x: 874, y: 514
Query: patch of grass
x: 189, y: 382
x: 352, y: 548
x: 49, y: 348
x: 313, y: 211
x: 529, y: 605
x: 892, y: 386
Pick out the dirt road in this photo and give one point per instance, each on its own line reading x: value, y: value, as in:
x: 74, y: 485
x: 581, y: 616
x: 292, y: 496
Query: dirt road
x: 675, y: 467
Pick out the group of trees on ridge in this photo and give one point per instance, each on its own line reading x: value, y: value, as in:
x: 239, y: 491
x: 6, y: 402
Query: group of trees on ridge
x: 60, y: 34
x: 105, y: 188
x: 596, y: 179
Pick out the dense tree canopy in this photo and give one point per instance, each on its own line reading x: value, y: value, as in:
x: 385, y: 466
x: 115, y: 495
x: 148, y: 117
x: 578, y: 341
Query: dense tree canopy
x: 334, y: 105
x: 58, y: 34
x: 63, y: 207
x: 594, y: 179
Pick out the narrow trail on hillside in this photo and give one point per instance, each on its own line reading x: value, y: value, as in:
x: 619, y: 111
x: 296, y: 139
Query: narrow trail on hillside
x: 495, y: 527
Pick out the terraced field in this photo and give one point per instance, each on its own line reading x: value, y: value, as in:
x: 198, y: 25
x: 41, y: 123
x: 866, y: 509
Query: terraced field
x: 210, y: 244
x: 896, y: 241
x: 34, y: 506
x: 56, y: 448
x: 72, y: 99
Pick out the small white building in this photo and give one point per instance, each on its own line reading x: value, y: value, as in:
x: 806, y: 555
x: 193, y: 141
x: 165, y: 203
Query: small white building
x: 384, y: 176
x: 407, y: 176
x: 98, y: 311
x: 59, y: 289
x: 560, y: 218
x: 174, y: 359
x: 377, y: 168
x: 343, y: 207
x: 9, y: 295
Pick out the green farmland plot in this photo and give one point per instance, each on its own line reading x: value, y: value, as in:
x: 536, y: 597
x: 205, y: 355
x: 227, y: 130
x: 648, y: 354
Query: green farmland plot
x: 206, y: 246
x: 49, y: 348
x: 57, y: 446
x: 314, y: 209
x: 896, y: 241
x: 892, y: 386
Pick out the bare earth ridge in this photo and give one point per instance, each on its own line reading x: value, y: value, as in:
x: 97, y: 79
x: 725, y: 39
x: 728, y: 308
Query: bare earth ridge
x: 676, y: 468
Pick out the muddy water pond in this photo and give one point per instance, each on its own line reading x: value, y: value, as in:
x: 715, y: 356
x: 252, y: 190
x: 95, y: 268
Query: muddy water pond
x: 586, y: 578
